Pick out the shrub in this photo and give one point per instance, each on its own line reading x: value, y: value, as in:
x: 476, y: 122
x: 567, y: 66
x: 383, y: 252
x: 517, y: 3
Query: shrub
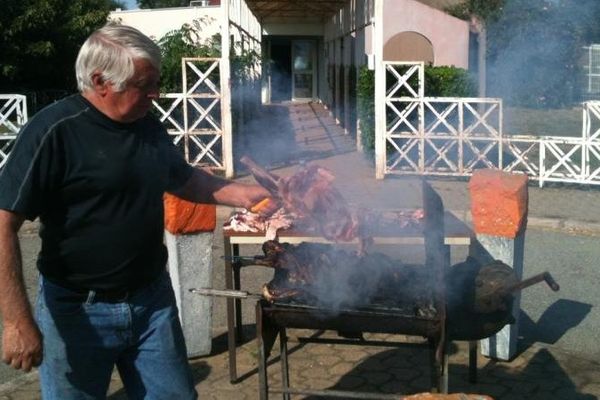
x: 365, y: 92
x: 439, y: 82
x: 449, y: 82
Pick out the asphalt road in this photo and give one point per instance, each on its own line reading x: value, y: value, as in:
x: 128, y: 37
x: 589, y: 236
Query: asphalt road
x: 569, y: 319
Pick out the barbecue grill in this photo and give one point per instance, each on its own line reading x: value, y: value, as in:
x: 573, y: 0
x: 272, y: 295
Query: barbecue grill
x: 274, y: 318
x: 478, y: 305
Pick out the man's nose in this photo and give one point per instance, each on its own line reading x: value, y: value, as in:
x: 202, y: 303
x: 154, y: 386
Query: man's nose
x: 153, y: 94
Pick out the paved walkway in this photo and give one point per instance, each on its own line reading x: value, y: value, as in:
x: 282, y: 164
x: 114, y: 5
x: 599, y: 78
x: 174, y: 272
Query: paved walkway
x: 289, y: 133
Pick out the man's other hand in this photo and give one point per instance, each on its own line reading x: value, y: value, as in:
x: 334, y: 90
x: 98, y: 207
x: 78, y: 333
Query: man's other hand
x: 22, y: 345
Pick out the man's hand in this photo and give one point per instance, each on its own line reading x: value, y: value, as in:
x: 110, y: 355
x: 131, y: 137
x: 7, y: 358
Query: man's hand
x: 21, y: 338
x: 22, y: 345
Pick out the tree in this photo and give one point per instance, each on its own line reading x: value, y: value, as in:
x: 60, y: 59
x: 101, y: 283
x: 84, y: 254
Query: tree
x: 39, y: 40
x: 485, y: 10
x: 162, y: 3
x: 534, y: 46
x: 179, y: 43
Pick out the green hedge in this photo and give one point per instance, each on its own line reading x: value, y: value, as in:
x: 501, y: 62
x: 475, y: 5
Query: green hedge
x: 449, y: 82
x: 365, y: 93
x: 439, y: 82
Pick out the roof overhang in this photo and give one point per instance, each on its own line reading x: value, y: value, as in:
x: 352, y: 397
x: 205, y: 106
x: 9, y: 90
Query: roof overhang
x: 295, y: 10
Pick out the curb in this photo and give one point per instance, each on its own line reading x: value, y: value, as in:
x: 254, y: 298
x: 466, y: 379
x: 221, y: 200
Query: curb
x: 588, y: 228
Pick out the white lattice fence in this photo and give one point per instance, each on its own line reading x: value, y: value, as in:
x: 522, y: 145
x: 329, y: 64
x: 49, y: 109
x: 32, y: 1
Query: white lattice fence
x: 193, y: 117
x: 454, y: 136
x: 13, y: 115
x: 437, y: 136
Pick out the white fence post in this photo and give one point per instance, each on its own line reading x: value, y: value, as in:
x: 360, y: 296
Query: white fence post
x: 13, y: 115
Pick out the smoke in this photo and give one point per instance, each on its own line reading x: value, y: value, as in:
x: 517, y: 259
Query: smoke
x: 535, y: 48
x: 351, y: 285
x: 334, y: 279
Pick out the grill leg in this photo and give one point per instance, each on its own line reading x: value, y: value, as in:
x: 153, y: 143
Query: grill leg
x: 263, y: 387
x: 238, y: 302
x: 231, y: 339
x: 473, y: 344
x: 438, y: 366
x: 433, y: 366
x: 285, y: 378
x: 443, y: 382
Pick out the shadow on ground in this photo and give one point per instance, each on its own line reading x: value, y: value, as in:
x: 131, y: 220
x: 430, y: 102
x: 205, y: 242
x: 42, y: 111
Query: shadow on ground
x: 557, y: 320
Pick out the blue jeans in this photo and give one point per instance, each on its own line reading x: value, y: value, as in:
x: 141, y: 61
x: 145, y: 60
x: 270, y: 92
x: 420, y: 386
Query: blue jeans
x: 84, y: 340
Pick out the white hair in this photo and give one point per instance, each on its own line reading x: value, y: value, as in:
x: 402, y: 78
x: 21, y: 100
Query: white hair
x: 111, y: 51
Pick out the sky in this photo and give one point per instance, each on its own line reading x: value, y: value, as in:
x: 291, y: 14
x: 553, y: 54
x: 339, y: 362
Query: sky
x: 130, y: 4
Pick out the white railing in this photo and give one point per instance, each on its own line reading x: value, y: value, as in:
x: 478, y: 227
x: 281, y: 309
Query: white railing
x: 13, y: 115
x: 193, y: 117
x: 454, y: 136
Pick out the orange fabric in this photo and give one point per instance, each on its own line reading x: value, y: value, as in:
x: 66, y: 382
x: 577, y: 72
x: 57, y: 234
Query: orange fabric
x: 182, y: 216
x: 499, y: 202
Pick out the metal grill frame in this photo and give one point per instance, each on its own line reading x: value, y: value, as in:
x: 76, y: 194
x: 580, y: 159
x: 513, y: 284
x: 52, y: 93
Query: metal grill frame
x: 271, y: 324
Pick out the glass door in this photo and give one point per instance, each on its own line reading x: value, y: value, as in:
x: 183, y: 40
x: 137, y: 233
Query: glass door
x: 304, y: 57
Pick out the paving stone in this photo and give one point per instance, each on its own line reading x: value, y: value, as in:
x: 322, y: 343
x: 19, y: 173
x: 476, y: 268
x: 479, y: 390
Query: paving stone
x: 327, y: 360
x: 377, y: 378
x: 355, y: 356
x: 394, y: 386
x: 317, y: 349
x: 494, y: 390
x: 396, y: 361
x: 405, y: 374
x: 591, y: 389
x: 342, y: 368
x: 315, y: 372
x: 350, y: 382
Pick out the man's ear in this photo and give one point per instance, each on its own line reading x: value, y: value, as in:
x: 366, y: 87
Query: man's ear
x: 99, y: 83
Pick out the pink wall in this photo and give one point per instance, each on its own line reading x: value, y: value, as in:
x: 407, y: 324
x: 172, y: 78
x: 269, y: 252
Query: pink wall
x: 449, y: 35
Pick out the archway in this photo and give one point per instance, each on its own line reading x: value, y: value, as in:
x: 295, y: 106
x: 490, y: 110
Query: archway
x: 408, y: 46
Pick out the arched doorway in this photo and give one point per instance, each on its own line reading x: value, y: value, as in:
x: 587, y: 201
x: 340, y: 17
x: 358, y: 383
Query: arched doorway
x: 408, y: 46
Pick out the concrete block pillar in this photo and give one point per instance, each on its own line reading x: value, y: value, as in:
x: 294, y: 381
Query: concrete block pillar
x: 189, y: 237
x: 499, y: 203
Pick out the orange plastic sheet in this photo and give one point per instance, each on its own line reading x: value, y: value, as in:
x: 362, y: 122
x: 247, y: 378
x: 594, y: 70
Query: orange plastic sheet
x: 182, y: 216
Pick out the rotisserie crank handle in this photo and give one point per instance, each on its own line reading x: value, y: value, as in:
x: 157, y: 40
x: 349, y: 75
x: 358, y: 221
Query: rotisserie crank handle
x: 544, y: 276
x: 237, y: 294
x: 551, y: 282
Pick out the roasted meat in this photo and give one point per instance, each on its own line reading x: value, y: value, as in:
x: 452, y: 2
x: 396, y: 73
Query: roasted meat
x: 310, y: 195
x: 321, y: 275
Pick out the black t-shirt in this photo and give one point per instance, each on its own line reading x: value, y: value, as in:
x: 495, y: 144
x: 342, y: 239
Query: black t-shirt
x: 97, y: 187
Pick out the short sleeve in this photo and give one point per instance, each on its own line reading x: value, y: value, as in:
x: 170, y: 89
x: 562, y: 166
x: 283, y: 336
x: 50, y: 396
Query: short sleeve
x: 179, y: 170
x: 27, y: 178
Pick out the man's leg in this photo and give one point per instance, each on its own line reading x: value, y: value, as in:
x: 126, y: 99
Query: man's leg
x: 81, y: 343
x: 156, y: 366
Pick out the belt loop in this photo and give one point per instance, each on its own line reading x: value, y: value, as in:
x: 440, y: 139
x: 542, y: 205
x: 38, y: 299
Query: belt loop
x: 90, y: 297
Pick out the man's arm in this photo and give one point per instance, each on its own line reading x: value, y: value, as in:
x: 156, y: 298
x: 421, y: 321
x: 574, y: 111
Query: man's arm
x: 202, y: 187
x: 21, y: 338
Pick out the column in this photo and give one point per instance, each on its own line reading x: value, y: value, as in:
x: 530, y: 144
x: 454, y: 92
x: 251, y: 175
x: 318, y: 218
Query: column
x: 499, y: 203
x: 189, y: 237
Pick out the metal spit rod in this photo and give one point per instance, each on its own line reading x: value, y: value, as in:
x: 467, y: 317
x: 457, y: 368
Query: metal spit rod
x: 236, y: 294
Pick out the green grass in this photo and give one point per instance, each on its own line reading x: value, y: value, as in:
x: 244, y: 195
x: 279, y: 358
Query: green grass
x: 535, y: 122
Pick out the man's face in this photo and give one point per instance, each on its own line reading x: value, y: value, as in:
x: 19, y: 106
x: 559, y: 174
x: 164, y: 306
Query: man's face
x: 135, y: 100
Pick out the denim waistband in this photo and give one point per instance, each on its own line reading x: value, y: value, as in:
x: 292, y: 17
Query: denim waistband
x: 103, y: 296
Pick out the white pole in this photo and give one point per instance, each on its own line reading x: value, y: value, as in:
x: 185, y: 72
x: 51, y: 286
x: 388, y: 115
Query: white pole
x: 226, y: 93
x: 380, y: 125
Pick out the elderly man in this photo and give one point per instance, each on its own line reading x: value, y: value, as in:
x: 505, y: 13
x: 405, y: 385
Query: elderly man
x: 93, y: 167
